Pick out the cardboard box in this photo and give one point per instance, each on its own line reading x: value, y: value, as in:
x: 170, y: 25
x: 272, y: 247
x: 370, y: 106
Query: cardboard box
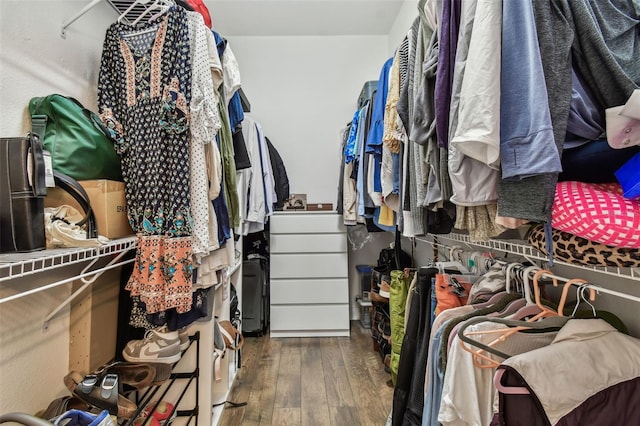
x: 107, y: 201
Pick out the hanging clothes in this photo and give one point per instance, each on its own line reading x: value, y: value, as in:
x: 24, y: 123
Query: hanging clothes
x: 561, y: 392
x: 205, y: 123
x: 144, y: 90
x: 259, y: 183
x: 281, y: 180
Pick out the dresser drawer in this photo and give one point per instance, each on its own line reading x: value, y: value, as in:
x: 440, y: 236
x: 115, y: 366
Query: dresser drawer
x: 306, y: 223
x: 309, y: 291
x: 309, y: 318
x: 324, y: 265
x: 308, y: 243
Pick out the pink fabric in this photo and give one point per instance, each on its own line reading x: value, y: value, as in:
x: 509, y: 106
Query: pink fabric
x: 597, y: 212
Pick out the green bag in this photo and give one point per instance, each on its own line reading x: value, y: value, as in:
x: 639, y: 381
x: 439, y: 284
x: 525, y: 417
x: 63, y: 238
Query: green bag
x: 79, y: 143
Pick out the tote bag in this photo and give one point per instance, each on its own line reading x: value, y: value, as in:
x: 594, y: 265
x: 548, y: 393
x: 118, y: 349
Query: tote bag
x: 76, y: 138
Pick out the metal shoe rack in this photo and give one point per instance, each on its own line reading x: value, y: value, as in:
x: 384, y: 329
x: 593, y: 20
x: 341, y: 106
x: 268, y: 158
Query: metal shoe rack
x: 158, y: 393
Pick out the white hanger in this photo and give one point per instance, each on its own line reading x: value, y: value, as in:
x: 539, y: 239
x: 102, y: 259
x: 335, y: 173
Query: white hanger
x: 130, y: 8
x: 163, y: 5
x: 508, y: 275
x: 527, y: 285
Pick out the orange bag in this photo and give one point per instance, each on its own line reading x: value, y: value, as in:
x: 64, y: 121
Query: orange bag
x: 451, y: 291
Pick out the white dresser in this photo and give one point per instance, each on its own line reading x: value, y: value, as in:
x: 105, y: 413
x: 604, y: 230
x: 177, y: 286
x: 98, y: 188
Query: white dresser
x: 309, y: 275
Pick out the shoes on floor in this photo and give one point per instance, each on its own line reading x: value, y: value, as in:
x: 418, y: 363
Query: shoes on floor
x: 158, y: 346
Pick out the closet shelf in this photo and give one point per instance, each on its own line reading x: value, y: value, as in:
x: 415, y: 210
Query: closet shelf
x: 16, y: 265
x: 522, y: 248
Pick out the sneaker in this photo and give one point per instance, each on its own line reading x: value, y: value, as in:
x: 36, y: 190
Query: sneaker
x: 183, y: 334
x: 159, y: 345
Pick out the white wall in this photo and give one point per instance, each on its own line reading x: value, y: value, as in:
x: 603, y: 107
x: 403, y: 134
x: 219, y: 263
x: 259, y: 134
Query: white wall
x: 303, y: 90
x: 36, y: 61
x: 406, y: 15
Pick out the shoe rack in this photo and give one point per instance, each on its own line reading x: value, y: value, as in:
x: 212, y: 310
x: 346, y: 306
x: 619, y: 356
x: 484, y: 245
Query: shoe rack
x: 174, y: 389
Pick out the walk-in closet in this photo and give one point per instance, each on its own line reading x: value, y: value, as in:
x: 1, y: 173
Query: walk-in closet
x: 317, y: 213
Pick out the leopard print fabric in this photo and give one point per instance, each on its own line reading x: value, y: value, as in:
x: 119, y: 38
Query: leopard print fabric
x: 573, y: 249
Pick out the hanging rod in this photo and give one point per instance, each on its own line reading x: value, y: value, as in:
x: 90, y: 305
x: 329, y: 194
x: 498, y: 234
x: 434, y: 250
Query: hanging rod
x: 524, y: 249
x: 77, y: 16
x: 597, y: 288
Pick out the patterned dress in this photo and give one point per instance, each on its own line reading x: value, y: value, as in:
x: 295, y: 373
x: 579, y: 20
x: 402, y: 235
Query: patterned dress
x: 143, y: 97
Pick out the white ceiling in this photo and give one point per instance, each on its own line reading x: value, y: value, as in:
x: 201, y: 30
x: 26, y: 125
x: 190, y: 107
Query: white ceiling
x: 303, y: 17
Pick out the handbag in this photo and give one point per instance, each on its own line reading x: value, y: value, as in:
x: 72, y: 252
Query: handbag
x: 22, y: 192
x: 76, y: 190
x: 79, y: 143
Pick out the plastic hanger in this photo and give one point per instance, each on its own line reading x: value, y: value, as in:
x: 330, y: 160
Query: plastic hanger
x: 580, y: 296
x: 532, y: 307
x: 511, y: 390
x: 492, y: 300
x: 163, y: 5
x: 509, y: 276
x: 537, y: 292
x: 534, y: 310
x: 512, y: 309
x: 131, y: 7
x: 527, y: 287
x: 164, y: 8
x: 551, y: 323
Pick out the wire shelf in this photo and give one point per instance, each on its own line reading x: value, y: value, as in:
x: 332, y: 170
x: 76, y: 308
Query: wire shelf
x: 523, y: 248
x: 16, y: 265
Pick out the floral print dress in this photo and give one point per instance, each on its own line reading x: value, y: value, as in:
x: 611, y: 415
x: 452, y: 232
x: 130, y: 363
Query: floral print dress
x: 143, y: 98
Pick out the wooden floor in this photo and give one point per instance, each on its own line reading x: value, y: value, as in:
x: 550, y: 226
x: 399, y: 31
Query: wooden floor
x: 311, y: 381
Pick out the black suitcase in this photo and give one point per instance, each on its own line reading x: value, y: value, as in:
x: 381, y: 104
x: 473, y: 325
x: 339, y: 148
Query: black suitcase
x: 255, y: 295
